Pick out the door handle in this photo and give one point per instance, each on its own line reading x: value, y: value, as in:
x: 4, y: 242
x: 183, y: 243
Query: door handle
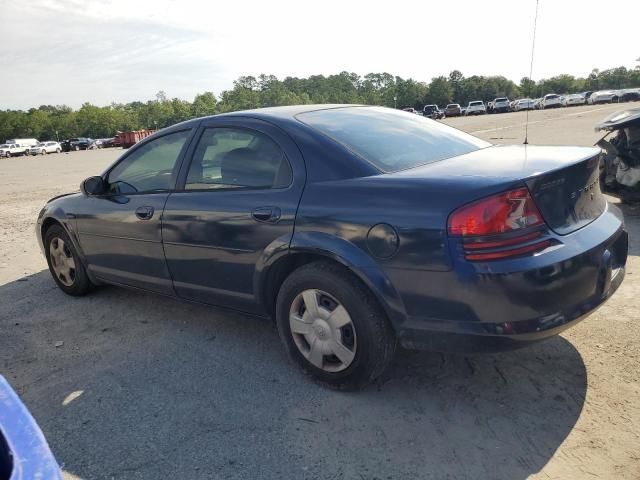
x: 266, y: 214
x: 144, y: 213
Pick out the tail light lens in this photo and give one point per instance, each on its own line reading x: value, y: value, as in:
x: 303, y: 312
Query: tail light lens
x: 500, y: 226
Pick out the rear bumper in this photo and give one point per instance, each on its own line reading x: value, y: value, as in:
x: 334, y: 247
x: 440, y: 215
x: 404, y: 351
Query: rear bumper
x: 500, y: 305
x: 486, y: 337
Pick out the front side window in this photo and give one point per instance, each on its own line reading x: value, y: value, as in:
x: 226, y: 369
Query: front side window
x: 150, y: 168
x: 236, y: 158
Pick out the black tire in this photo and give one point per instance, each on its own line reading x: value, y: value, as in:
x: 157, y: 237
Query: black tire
x: 376, y: 340
x: 81, y: 284
x: 8, y: 154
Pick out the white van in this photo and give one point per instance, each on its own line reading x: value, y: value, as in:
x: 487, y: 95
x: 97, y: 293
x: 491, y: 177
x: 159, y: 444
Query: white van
x: 25, y: 142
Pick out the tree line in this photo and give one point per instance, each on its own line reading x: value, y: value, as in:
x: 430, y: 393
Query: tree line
x: 60, y: 121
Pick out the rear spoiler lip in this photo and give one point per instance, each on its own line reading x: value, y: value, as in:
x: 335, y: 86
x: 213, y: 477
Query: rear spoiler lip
x: 512, y: 162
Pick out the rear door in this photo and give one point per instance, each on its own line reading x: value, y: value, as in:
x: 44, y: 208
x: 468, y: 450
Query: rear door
x: 234, y: 210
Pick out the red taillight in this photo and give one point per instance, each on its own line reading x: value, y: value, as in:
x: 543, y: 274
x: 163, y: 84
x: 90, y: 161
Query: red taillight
x: 502, y: 213
x: 482, y: 223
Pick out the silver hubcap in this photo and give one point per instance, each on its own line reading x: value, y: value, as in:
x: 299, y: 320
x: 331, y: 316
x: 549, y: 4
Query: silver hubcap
x: 62, y: 261
x: 322, y: 330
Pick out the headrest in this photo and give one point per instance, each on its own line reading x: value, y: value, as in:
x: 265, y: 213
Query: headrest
x: 247, y: 167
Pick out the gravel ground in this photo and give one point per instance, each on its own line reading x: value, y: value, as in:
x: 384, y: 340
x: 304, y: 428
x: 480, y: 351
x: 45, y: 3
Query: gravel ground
x: 145, y: 387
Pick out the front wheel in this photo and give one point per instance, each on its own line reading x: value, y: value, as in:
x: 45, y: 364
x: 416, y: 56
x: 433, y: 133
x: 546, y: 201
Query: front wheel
x: 8, y: 154
x: 64, y: 263
x: 58, y: 150
x: 333, y: 327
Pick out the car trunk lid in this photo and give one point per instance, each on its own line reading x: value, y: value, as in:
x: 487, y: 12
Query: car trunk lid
x: 563, y: 181
x: 569, y: 198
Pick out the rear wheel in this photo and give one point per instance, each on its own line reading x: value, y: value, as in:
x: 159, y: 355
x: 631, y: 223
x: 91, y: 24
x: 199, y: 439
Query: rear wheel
x: 332, y: 326
x: 8, y: 154
x: 64, y: 263
x: 42, y: 152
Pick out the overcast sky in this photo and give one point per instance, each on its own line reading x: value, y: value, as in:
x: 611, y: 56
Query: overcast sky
x: 72, y: 51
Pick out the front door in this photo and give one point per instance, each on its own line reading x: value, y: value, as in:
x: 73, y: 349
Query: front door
x: 237, y: 206
x: 120, y: 232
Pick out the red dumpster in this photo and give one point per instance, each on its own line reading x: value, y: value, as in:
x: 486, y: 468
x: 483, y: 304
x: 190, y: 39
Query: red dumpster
x: 128, y: 139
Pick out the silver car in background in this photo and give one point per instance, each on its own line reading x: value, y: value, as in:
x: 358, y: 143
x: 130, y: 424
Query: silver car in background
x: 45, y: 147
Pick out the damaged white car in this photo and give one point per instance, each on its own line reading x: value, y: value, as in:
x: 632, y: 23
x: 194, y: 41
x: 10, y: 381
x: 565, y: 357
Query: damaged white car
x: 620, y: 164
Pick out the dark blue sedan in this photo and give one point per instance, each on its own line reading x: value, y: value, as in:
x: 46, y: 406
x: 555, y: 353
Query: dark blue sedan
x: 356, y: 228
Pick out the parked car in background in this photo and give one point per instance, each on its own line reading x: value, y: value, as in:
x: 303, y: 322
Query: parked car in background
x: 13, y: 150
x: 411, y: 110
x: 432, y: 111
x: 463, y: 258
x: 45, y: 147
x: 25, y: 142
x: 453, y: 110
x: 500, y: 105
x: 81, y: 143
x: 629, y: 96
x: 602, y: 96
x: 523, y: 104
x: 551, y: 100
x: 476, y: 107
x: 107, y: 142
x: 573, y: 99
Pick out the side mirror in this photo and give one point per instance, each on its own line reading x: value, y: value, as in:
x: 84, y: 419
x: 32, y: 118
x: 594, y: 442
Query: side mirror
x: 93, y: 186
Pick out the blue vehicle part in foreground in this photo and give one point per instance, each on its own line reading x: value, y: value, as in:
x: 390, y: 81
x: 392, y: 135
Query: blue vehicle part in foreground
x: 24, y: 452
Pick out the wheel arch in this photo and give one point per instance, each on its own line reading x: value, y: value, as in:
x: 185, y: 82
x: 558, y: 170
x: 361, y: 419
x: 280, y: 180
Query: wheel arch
x: 310, y: 247
x: 57, y: 218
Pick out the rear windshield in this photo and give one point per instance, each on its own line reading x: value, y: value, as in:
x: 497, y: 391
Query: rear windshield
x: 473, y: 104
x: 453, y: 105
x: 389, y: 139
x: 502, y: 99
x: 551, y: 97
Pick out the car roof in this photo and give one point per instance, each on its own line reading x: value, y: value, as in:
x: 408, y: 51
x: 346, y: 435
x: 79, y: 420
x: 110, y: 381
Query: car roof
x: 273, y: 114
x: 288, y: 111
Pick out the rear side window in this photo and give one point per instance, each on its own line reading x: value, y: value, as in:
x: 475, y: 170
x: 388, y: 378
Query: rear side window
x: 233, y: 158
x: 390, y: 139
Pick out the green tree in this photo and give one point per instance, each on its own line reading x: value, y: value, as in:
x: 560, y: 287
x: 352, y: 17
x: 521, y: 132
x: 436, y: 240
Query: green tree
x: 440, y: 91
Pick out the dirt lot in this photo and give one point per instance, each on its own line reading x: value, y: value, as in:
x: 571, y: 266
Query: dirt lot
x: 145, y: 387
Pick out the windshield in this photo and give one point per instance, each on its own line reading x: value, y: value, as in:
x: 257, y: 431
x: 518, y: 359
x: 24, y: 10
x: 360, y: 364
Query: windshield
x: 502, y: 99
x: 552, y: 97
x: 389, y: 139
x: 475, y: 104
